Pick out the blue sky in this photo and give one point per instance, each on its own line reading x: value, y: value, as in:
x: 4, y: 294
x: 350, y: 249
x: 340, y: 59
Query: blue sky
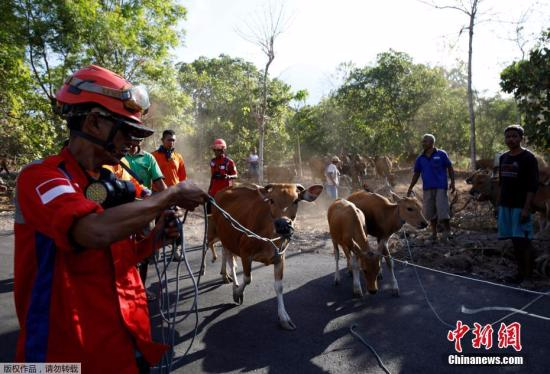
x: 321, y: 34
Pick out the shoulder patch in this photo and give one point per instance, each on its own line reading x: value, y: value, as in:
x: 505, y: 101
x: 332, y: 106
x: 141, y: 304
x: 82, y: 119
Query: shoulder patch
x: 50, y: 189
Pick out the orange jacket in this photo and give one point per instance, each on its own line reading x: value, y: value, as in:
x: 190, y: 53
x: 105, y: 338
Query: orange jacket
x: 172, y: 167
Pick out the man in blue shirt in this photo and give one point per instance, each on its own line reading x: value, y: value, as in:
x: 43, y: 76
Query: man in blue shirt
x: 434, y: 164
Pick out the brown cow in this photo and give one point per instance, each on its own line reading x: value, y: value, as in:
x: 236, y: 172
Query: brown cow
x: 384, y: 218
x: 346, y: 225
x: 318, y: 166
x: 486, y: 188
x: 383, y: 168
x: 485, y: 164
x: 358, y: 170
x: 269, y: 212
x: 280, y: 174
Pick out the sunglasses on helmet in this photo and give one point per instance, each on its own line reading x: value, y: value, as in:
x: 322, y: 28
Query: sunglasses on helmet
x: 135, y: 98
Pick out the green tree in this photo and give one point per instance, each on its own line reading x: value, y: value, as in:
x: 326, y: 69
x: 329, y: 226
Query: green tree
x: 224, y: 92
x: 493, y: 115
x: 529, y: 81
x: 47, y: 39
x: 380, y: 102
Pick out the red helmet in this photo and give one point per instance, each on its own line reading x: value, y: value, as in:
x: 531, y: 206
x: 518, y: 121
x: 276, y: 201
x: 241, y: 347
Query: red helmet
x: 219, y: 144
x: 94, y: 84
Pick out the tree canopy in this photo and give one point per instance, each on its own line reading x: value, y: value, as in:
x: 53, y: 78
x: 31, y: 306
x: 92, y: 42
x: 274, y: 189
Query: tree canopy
x: 529, y: 81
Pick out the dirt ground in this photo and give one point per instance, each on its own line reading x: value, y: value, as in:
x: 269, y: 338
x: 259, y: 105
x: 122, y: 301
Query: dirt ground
x: 474, y: 250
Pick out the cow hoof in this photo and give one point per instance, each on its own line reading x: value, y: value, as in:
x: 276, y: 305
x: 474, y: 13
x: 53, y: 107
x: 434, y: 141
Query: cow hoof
x: 380, y: 276
x: 336, y: 283
x: 227, y: 279
x: 395, y: 292
x: 201, y: 272
x: 287, y: 325
x: 357, y: 294
x: 238, y: 298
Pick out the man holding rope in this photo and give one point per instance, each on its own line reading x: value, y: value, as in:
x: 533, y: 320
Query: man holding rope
x: 434, y: 164
x: 78, y: 294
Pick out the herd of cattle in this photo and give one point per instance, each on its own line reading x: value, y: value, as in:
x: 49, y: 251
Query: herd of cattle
x: 354, y: 170
x: 270, y: 212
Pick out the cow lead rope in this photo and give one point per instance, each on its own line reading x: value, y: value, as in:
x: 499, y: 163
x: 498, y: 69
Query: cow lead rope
x: 356, y: 334
x: 167, y: 311
x: 279, y: 251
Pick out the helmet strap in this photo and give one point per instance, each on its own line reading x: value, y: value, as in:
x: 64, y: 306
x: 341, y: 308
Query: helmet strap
x: 108, y: 144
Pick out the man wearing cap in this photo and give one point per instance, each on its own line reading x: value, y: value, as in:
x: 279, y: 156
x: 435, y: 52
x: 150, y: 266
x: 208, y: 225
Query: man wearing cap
x: 332, y: 175
x: 518, y: 178
x: 78, y: 295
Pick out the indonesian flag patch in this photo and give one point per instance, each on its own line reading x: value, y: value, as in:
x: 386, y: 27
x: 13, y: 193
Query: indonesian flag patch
x: 53, y: 188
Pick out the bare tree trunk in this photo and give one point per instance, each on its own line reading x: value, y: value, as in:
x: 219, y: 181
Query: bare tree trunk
x: 264, y: 34
x: 263, y: 110
x: 470, y: 91
x: 300, y: 170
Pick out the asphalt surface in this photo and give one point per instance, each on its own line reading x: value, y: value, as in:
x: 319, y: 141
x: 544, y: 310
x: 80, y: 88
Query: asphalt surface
x: 403, y: 330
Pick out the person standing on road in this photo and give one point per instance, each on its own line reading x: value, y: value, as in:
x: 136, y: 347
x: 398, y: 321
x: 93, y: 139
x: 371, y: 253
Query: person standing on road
x: 518, y: 179
x: 253, y: 166
x: 332, y: 175
x: 170, y: 162
x: 78, y: 295
x: 434, y: 164
x: 147, y: 169
x: 145, y: 166
x: 223, y: 169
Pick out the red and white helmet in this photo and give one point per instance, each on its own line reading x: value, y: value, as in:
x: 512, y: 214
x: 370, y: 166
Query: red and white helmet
x: 94, y: 84
x: 219, y: 144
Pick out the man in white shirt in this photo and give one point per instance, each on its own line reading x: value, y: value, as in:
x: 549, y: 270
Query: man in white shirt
x: 332, y: 175
x: 253, y: 166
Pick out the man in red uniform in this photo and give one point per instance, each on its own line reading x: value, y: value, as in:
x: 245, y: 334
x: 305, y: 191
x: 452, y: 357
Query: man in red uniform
x: 223, y: 168
x: 78, y: 294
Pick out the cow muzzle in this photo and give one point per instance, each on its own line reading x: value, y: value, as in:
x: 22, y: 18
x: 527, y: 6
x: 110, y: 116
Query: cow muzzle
x: 283, y: 227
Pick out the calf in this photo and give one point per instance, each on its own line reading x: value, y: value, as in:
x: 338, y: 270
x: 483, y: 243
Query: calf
x: 269, y: 212
x: 383, y: 219
x: 346, y: 225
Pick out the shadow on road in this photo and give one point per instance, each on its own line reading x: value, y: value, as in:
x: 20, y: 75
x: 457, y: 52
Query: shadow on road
x: 6, y: 285
x: 8, y: 342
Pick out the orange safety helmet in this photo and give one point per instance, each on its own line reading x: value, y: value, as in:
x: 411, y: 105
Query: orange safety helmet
x: 219, y: 144
x: 97, y: 85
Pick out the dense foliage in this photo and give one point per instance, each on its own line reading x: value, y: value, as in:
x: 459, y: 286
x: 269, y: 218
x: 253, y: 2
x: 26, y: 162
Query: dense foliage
x: 529, y: 81
x: 380, y: 108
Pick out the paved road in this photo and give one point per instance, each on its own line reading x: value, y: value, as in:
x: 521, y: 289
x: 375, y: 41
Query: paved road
x: 403, y: 330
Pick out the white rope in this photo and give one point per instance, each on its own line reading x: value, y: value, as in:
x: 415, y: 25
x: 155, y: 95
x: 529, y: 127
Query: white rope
x: 473, y: 279
x: 239, y: 227
x: 466, y: 310
x: 514, y: 311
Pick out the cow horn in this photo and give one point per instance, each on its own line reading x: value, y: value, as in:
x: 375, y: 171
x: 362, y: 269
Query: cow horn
x: 268, y: 187
x: 300, y: 188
